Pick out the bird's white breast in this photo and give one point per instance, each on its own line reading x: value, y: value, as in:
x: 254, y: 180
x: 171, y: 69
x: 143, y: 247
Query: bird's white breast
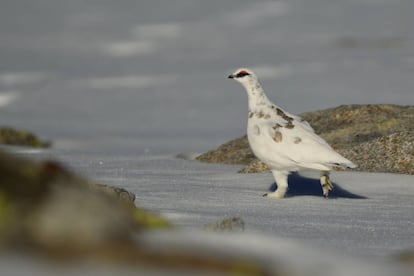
x: 264, y: 146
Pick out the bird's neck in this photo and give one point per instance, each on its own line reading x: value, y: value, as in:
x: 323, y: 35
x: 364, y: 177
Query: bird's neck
x: 257, y: 96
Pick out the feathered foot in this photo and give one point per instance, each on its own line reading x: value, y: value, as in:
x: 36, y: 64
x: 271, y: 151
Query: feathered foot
x: 326, y: 183
x: 281, y: 178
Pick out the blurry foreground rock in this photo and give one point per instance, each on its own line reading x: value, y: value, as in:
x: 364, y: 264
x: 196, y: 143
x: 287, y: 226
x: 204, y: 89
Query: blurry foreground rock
x: 406, y: 258
x: 44, y: 204
x: 11, y: 136
x: 379, y: 138
x: 53, y: 213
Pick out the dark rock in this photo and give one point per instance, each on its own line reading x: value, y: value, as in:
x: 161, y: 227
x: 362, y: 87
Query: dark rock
x: 352, y: 124
x: 406, y: 258
x: 255, y: 166
x: 236, y: 151
x: 233, y: 224
x: 392, y: 153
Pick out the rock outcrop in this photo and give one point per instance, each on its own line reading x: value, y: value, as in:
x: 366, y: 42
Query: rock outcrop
x: 12, y: 136
x: 378, y: 138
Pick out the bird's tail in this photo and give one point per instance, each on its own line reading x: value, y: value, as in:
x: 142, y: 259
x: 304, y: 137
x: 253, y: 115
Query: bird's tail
x: 346, y: 165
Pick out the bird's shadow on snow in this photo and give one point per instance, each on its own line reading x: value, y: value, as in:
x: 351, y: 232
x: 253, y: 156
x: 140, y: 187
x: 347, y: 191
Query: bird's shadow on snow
x: 303, y: 186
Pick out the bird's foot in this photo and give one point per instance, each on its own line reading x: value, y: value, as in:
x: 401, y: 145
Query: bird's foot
x: 275, y: 194
x: 326, y: 185
x: 282, y: 184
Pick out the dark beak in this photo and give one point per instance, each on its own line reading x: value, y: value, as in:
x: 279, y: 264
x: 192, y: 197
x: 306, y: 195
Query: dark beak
x: 230, y: 77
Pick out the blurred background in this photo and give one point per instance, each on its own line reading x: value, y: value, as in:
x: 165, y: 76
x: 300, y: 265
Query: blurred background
x: 149, y: 77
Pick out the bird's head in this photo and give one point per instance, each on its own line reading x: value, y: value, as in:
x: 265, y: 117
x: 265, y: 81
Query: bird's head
x: 253, y: 88
x: 244, y: 76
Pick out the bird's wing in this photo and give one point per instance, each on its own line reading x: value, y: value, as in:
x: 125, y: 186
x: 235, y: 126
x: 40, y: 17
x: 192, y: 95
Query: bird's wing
x: 296, y: 140
x: 299, y: 121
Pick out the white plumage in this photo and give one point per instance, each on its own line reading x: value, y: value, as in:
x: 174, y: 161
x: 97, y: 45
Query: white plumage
x: 283, y: 141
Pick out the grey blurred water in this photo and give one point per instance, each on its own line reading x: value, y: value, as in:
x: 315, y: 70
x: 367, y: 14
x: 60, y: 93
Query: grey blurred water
x: 150, y: 76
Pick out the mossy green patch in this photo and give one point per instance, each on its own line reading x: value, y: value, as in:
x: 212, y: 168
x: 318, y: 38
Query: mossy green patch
x: 151, y: 220
x: 7, y: 215
x: 4, y: 209
x: 11, y: 136
x: 59, y: 205
x: 388, y: 124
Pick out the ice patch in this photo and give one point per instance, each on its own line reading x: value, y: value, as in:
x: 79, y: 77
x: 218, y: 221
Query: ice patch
x: 7, y: 98
x: 144, y: 40
x: 188, y: 155
x: 21, y: 78
x: 256, y: 12
x: 175, y: 215
x: 23, y: 150
x: 126, y: 49
x: 129, y: 81
x: 157, y: 31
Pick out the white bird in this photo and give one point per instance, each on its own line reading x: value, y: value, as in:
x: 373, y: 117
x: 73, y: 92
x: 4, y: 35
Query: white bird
x: 283, y: 141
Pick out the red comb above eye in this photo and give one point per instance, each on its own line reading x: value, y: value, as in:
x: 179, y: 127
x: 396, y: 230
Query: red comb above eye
x: 242, y: 73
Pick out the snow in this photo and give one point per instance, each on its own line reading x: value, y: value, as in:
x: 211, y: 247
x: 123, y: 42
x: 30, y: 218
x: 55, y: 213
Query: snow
x: 8, y: 97
x: 367, y: 219
x: 366, y: 214
x: 279, y: 254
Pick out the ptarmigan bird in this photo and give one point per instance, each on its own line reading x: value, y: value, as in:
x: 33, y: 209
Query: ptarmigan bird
x: 283, y: 141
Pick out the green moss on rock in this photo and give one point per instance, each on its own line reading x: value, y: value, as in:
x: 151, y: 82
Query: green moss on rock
x: 232, y: 224
x: 11, y: 136
x: 52, y: 205
x: 151, y: 220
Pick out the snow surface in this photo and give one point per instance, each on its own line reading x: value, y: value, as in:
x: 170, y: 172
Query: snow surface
x: 122, y: 87
x: 367, y: 219
x: 366, y: 214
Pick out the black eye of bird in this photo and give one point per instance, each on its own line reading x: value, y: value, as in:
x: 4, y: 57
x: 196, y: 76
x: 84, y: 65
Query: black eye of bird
x: 242, y: 74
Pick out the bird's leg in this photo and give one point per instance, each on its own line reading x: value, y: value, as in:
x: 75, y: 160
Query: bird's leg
x: 326, y: 183
x: 281, y: 178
